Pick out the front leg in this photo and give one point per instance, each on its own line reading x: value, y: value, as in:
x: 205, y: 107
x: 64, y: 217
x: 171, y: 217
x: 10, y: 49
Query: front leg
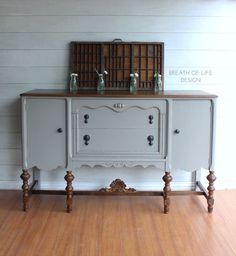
x: 69, y: 190
x: 210, y: 199
x: 25, y: 187
x: 167, y: 179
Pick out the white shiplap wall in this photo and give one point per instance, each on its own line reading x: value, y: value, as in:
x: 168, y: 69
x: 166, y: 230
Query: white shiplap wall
x: 199, y: 36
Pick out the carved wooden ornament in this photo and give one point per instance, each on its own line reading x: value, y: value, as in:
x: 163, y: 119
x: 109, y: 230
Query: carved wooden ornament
x: 118, y: 185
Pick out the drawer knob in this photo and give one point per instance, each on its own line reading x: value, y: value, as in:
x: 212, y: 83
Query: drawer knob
x: 150, y: 139
x: 59, y: 130
x: 86, y: 139
x: 177, y: 131
x: 86, y: 117
x: 150, y: 119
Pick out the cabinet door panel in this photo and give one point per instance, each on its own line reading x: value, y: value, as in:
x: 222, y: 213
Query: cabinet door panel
x: 46, y: 145
x: 191, y: 134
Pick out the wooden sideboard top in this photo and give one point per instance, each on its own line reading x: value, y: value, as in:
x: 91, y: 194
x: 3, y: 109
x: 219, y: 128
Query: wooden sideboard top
x: 122, y: 94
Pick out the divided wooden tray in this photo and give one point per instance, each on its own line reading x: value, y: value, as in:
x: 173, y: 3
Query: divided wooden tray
x: 119, y: 59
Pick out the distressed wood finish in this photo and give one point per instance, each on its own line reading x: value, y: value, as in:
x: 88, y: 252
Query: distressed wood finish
x: 25, y: 177
x: 69, y: 190
x: 166, y: 190
x: 119, y: 59
x: 210, y: 198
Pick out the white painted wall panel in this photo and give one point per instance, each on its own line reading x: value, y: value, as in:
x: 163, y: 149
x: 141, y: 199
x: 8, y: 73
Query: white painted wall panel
x: 15, y: 89
x: 123, y: 7
x: 10, y: 140
x: 60, y: 58
x: 57, y: 77
x: 132, y: 24
x: 10, y: 157
x: 34, y: 40
x: 34, y: 58
x: 96, y: 178
x: 201, y: 77
x: 10, y: 173
x: 10, y: 124
x: 33, y: 75
x: 60, y: 41
x: 10, y: 106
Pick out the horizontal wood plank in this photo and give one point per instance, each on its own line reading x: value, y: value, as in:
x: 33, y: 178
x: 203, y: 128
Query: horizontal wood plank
x: 10, y: 106
x: 10, y: 156
x: 10, y: 174
x: 10, y: 140
x: 109, y: 7
x: 60, y: 58
x: 34, y: 75
x: 10, y: 124
x: 173, y: 41
x: 13, y: 90
x: 134, y: 24
x: 34, y: 58
x: 56, y: 77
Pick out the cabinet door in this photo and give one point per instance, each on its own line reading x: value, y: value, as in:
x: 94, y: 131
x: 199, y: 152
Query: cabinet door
x: 46, y: 133
x: 191, y: 134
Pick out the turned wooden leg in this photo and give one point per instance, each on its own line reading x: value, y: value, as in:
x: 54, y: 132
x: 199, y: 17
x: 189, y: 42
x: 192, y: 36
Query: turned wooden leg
x: 69, y: 190
x: 25, y: 187
x: 167, y: 179
x: 210, y: 199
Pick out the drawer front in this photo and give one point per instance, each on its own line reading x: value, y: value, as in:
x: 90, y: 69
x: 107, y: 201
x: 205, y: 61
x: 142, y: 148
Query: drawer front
x: 108, y: 126
x: 117, y: 113
x: 116, y: 140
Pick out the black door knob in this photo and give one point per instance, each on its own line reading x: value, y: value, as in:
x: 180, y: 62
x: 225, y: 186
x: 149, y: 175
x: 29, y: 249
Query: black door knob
x: 150, y: 139
x: 86, y: 139
x: 177, y: 131
x: 150, y: 119
x: 59, y: 130
x: 86, y: 117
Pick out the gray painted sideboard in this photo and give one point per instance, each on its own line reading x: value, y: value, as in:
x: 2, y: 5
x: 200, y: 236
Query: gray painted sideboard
x: 170, y: 130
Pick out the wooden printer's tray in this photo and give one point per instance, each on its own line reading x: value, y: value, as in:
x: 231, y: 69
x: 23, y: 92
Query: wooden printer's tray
x: 119, y: 59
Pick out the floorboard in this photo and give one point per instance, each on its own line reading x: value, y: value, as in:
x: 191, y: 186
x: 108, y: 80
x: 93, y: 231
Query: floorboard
x: 115, y: 226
